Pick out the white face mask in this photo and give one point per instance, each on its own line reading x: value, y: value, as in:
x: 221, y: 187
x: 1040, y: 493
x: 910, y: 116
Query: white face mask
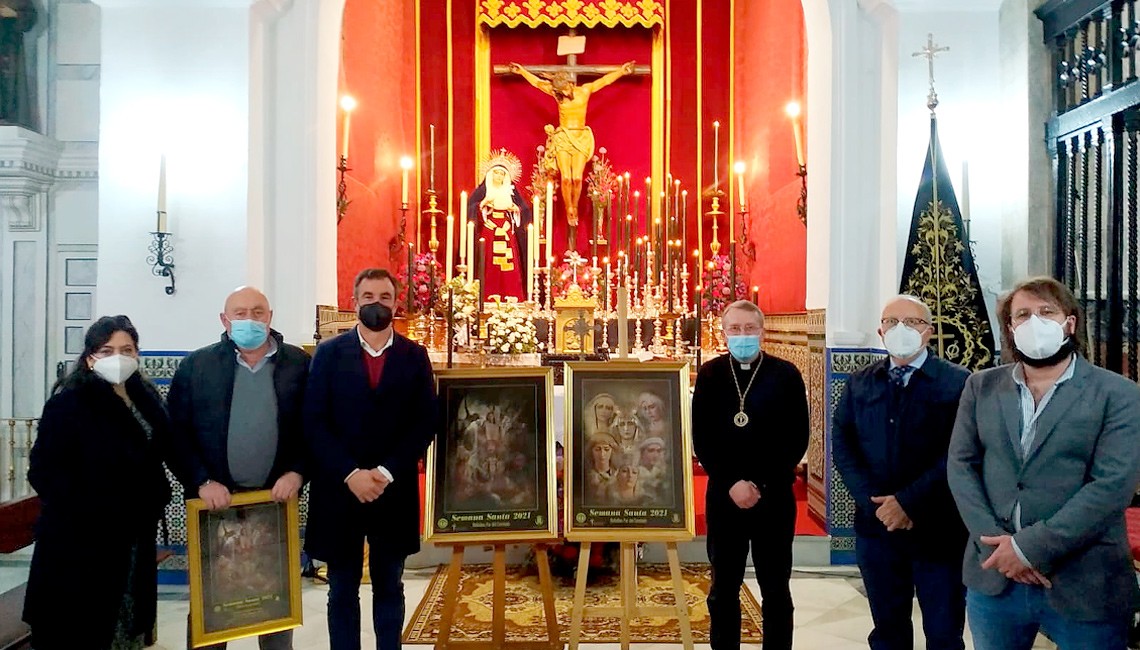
x: 902, y: 342
x: 1039, y: 338
x: 116, y: 368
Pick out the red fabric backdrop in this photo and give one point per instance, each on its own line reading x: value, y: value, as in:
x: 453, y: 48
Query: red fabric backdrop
x: 769, y: 73
x: 378, y: 68
x: 619, y: 114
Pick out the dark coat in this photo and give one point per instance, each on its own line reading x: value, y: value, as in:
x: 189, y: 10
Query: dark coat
x: 767, y: 450
x: 349, y: 426
x: 103, y: 490
x: 199, y: 402
x: 888, y: 441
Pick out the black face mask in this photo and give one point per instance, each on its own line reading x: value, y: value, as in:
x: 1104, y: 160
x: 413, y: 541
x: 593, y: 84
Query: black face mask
x: 1066, y: 351
x: 375, y: 316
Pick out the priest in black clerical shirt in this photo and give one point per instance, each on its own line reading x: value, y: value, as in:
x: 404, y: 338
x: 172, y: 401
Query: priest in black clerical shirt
x: 750, y: 431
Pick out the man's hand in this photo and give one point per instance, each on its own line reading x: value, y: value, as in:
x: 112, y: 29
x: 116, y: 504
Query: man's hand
x: 216, y: 496
x: 744, y: 494
x: 1005, y: 560
x: 287, y: 486
x: 365, y: 486
x: 380, y: 478
x: 892, y: 514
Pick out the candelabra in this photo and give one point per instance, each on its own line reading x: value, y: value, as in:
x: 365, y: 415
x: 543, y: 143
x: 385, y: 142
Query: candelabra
x: 161, y: 257
x: 400, y: 237
x: 341, y: 188
x: 434, y: 212
x: 715, y: 213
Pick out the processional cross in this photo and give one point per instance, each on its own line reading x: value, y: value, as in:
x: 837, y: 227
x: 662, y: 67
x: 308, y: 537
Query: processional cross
x: 570, y: 145
x: 929, y: 53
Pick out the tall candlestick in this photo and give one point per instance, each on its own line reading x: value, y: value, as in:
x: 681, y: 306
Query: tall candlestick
x: 537, y: 222
x: 450, y: 248
x: 606, y: 285
x: 531, y: 244
x: 716, y: 155
x: 684, y: 218
x: 431, y: 149
x: 463, y: 227
x: 623, y: 320
x: 648, y: 204
x: 161, y: 225
x: 549, y: 224
x: 482, y: 273
x: 408, y: 278
x: 739, y: 169
x: 471, y: 252
x: 636, y: 217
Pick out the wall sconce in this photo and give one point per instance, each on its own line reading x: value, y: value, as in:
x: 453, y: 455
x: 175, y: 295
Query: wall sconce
x: 794, y: 110
x: 347, y: 104
x: 161, y: 249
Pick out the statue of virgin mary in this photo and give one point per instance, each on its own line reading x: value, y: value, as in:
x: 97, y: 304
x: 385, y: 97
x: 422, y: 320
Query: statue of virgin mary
x: 503, y: 216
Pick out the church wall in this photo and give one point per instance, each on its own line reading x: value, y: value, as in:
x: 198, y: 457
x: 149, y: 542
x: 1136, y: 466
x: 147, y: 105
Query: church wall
x: 378, y: 69
x: 968, y: 80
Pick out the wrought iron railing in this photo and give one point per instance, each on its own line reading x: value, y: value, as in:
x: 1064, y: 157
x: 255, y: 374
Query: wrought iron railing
x: 1094, y: 137
x: 16, y: 438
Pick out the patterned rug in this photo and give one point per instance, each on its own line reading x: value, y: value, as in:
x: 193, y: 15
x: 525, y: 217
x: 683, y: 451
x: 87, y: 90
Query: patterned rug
x: 524, y: 612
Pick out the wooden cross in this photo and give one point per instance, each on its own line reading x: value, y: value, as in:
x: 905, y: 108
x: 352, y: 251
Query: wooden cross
x: 929, y: 53
x: 572, y: 68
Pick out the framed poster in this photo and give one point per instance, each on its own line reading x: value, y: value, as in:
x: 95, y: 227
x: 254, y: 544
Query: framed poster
x: 629, y: 473
x: 491, y: 472
x: 245, y: 568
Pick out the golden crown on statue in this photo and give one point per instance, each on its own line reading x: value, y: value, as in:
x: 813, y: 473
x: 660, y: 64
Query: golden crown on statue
x: 502, y: 158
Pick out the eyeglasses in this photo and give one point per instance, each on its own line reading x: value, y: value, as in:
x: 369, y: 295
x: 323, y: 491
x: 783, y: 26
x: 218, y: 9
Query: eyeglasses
x: 909, y: 322
x: 737, y: 330
x: 1048, y: 312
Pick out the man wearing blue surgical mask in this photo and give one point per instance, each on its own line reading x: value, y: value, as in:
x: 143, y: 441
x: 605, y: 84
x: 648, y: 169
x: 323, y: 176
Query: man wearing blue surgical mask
x: 890, y: 433
x: 750, y: 432
x: 236, y: 410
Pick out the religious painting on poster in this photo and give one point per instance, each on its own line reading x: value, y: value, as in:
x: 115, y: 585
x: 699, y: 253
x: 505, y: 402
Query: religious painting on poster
x: 628, y: 473
x: 245, y: 568
x: 491, y: 470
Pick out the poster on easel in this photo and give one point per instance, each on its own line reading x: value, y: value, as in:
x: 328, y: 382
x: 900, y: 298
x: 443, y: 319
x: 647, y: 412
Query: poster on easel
x: 491, y: 472
x: 628, y: 474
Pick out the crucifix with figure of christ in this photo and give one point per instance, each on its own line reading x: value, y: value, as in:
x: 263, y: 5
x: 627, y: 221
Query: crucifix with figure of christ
x: 570, y: 145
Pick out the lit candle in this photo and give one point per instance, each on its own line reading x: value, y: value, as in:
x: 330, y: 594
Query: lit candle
x: 755, y: 294
x: 716, y: 155
x: 405, y: 165
x: 450, y: 246
x: 463, y: 228
x: 471, y: 251
x: 794, y: 111
x: 347, y: 103
x: 739, y: 168
x: 161, y: 226
x: 549, y: 224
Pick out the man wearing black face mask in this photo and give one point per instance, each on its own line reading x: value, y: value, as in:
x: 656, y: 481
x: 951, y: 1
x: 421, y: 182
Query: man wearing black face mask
x: 365, y: 404
x: 1043, y: 461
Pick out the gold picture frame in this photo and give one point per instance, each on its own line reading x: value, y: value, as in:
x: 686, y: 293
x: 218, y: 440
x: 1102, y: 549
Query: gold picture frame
x: 245, y: 568
x: 492, y: 472
x: 640, y: 489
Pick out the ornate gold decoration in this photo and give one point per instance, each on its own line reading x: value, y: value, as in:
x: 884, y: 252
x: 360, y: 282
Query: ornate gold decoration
x: 574, y: 321
x: 501, y: 158
x: 942, y: 282
x: 571, y: 13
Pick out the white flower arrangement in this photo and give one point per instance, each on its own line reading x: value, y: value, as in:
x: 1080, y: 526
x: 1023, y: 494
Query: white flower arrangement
x: 465, y: 297
x: 510, y: 330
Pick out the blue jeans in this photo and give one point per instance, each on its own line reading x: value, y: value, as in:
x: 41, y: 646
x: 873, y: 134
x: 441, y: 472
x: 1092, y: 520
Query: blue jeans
x: 1011, y: 620
x: 387, y: 600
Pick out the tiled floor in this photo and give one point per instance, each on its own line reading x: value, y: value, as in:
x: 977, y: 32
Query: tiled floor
x: 831, y: 614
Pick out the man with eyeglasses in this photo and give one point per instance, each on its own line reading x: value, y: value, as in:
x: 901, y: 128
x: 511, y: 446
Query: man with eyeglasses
x: 890, y: 435
x: 1044, y: 459
x: 750, y: 431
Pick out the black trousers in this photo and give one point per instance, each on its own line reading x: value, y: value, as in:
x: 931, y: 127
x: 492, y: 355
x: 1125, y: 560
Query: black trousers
x: 768, y: 529
x: 893, y: 574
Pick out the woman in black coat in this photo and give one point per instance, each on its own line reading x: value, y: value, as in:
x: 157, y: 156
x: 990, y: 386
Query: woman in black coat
x: 97, y: 466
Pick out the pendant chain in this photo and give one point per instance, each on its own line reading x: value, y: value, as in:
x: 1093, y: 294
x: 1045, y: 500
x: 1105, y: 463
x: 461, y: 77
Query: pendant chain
x: 749, y: 387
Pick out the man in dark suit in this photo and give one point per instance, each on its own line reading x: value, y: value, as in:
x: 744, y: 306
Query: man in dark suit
x: 235, y: 407
x: 890, y: 434
x: 370, y: 415
x: 1044, y: 459
x: 750, y: 431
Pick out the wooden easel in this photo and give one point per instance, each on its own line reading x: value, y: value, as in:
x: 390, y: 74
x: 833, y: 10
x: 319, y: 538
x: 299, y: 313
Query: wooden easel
x: 628, y: 589
x: 498, y: 604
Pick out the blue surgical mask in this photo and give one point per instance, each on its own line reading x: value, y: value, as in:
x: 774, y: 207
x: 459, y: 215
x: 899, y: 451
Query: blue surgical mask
x: 248, y: 334
x: 744, y: 347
